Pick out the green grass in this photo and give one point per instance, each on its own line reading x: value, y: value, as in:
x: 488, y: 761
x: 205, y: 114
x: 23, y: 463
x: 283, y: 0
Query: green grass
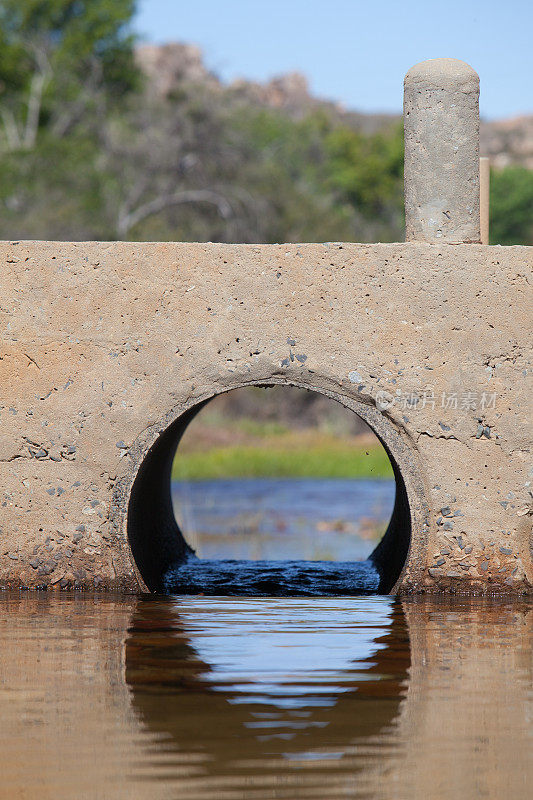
x: 247, y: 461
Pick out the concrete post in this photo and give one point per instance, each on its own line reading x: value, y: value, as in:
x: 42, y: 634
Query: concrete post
x: 441, y: 118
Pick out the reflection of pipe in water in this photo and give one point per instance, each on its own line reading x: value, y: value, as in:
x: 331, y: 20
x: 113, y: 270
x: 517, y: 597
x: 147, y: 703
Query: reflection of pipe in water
x: 460, y: 726
x: 122, y: 698
x: 237, y: 680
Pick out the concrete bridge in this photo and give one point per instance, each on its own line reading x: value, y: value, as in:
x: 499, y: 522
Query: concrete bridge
x: 110, y: 349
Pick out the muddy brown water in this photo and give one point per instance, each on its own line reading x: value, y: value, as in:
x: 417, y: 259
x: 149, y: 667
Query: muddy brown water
x: 203, y: 697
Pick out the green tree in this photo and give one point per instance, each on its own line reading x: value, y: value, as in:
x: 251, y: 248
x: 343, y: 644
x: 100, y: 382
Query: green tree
x: 58, y: 60
x: 368, y: 169
x: 511, y: 206
x: 284, y: 171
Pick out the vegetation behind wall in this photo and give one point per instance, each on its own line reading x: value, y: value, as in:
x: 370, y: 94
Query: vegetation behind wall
x: 100, y: 140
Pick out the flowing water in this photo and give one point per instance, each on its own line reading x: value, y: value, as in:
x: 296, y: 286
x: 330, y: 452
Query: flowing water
x: 251, y: 535
x: 257, y: 698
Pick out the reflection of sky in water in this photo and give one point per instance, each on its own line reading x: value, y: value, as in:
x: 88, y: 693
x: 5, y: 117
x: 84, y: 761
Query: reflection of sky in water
x: 285, y: 653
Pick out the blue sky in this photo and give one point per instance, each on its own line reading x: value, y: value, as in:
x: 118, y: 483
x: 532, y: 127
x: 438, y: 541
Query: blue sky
x: 357, y: 52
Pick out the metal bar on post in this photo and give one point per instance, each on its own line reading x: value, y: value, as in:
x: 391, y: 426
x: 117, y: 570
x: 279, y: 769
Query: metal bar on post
x: 484, y: 197
x: 441, y: 120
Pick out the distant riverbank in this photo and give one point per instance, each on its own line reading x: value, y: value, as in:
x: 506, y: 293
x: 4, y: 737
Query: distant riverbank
x: 265, y: 451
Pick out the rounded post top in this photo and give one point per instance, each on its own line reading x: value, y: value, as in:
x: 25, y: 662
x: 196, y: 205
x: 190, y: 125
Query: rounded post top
x: 441, y: 124
x: 443, y: 73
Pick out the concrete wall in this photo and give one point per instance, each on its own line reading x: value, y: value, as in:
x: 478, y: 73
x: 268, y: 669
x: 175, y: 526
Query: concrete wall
x: 106, y: 345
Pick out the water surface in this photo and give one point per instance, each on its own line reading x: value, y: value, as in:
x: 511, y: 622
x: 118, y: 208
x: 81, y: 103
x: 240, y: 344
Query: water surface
x: 310, y: 519
x: 280, y: 537
x: 226, y: 698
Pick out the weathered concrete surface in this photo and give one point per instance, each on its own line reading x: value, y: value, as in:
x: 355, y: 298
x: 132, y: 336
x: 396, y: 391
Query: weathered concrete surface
x: 441, y: 122
x: 104, y: 345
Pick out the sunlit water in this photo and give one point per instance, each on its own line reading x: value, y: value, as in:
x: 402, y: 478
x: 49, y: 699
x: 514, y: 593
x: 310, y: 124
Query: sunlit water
x: 225, y: 698
x: 280, y: 536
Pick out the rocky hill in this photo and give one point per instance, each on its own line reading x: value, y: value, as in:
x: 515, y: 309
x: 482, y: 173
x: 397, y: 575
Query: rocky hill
x: 167, y: 67
x: 508, y: 141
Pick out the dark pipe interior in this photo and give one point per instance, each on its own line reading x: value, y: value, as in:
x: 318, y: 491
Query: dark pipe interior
x: 157, y: 543
x: 391, y: 552
x: 155, y: 539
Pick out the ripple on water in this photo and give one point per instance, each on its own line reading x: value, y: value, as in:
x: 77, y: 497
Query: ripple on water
x: 215, y: 697
x: 272, y: 578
